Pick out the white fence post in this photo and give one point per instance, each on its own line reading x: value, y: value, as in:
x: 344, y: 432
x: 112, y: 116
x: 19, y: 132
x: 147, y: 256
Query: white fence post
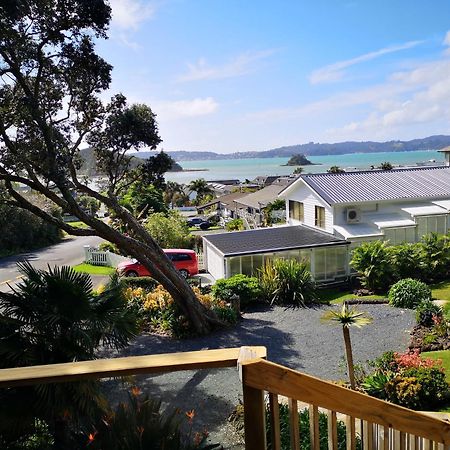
x: 99, y: 258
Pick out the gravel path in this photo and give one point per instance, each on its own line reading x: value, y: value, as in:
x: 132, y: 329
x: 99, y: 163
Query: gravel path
x: 294, y: 337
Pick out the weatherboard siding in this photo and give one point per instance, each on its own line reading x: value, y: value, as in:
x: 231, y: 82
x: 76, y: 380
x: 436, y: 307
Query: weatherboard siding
x: 310, y: 200
x: 214, y: 262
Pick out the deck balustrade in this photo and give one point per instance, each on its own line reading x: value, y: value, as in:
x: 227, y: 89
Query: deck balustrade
x: 375, y: 424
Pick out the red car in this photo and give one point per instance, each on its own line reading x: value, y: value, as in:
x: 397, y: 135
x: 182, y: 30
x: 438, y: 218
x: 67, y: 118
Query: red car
x: 184, y: 260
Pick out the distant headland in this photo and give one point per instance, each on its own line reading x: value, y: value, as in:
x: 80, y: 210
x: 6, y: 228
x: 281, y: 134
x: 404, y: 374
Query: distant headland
x: 315, y: 149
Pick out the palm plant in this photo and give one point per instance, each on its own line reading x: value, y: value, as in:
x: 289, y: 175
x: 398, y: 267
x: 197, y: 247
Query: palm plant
x: 51, y: 317
x: 348, y: 317
x: 174, y: 194
x: 201, y: 188
x: 373, y: 262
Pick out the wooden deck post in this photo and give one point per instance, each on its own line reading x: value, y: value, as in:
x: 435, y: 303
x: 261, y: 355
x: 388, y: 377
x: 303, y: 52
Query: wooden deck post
x: 254, y: 418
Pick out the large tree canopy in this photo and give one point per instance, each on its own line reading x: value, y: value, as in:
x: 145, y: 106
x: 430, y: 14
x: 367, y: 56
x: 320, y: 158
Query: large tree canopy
x: 50, y: 85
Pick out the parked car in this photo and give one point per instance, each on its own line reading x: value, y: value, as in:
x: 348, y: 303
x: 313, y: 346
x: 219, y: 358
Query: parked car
x: 184, y: 260
x: 199, y: 222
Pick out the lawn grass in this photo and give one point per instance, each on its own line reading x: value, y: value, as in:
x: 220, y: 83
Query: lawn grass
x: 336, y: 297
x: 441, y: 291
x: 78, y: 224
x: 93, y: 270
x: 443, y: 355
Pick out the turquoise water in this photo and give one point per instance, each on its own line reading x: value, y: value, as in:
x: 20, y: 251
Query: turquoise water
x: 252, y: 167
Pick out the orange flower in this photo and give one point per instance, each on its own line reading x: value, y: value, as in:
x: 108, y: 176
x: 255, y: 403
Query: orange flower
x: 190, y: 415
x: 135, y: 391
x: 140, y: 430
x: 91, y: 437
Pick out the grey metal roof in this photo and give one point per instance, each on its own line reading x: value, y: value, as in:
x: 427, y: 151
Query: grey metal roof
x: 261, y: 197
x: 367, y: 186
x: 265, y: 240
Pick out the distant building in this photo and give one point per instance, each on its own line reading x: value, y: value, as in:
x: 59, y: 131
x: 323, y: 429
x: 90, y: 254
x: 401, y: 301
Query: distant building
x: 399, y: 205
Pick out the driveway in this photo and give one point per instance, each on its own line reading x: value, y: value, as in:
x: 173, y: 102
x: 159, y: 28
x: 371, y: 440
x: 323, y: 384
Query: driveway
x: 293, y: 337
x: 68, y: 252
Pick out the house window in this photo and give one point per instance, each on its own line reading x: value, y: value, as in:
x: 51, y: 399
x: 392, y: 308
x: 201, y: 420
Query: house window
x: 296, y: 211
x: 320, y: 217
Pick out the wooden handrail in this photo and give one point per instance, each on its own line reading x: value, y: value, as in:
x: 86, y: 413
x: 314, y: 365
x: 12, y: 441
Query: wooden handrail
x: 131, y: 365
x: 262, y: 375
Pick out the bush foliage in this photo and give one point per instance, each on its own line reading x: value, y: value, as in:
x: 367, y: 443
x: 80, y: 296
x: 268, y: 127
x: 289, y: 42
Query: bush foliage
x: 379, y: 264
x: 409, y: 293
x: 408, y: 380
x: 159, y: 313
x: 169, y: 230
x: 246, y: 288
x: 22, y: 231
x: 288, y: 282
x: 373, y: 262
x: 304, y: 430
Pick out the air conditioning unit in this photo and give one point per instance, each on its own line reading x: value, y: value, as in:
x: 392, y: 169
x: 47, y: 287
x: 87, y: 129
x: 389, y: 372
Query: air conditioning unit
x: 353, y: 215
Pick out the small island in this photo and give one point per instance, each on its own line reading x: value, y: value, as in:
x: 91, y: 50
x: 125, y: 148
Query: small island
x: 299, y: 160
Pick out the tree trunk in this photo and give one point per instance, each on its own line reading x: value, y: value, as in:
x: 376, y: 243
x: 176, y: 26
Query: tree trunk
x: 158, y: 264
x: 349, y: 356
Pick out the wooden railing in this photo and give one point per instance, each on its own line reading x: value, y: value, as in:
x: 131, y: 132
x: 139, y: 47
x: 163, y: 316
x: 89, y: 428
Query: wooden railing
x: 374, y: 424
x: 131, y: 365
x: 371, y: 423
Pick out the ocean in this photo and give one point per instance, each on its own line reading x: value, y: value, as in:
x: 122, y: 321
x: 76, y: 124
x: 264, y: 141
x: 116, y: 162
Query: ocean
x: 249, y: 168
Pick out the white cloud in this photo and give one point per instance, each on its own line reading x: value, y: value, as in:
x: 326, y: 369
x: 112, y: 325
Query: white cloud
x: 129, y: 14
x: 171, y: 110
x: 336, y: 71
x: 238, y: 66
x: 447, y: 39
x: 427, y: 101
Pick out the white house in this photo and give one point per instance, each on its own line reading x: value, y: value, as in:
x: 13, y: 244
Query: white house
x: 329, y: 214
x: 396, y: 205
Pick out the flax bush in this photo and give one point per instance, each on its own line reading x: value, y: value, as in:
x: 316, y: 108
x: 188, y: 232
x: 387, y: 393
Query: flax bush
x: 288, y: 282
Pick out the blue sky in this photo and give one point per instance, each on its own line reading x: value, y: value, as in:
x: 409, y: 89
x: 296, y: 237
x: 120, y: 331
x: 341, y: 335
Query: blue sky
x: 228, y: 75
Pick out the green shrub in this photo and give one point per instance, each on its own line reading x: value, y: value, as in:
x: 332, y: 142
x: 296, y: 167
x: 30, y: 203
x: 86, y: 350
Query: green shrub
x: 169, y: 231
x: 409, y: 293
x: 235, y: 225
x: 436, y: 256
x: 247, y: 288
x: 373, y: 261
x: 23, y: 231
x: 288, y: 282
x: 408, y: 380
x: 425, y: 312
x: 303, y: 424
x: 420, y: 388
x: 109, y: 247
x: 408, y: 261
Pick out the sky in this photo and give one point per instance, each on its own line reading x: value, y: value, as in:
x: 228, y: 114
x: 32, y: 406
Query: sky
x: 229, y: 75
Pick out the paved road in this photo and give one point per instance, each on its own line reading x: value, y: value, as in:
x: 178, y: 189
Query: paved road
x: 68, y: 252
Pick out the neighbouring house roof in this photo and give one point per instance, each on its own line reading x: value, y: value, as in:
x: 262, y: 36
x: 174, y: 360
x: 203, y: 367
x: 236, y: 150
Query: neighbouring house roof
x: 390, y: 220
x: 443, y: 204
x: 378, y: 185
x: 262, y: 197
x: 425, y: 210
x: 266, y: 240
x: 265, y: 180
x: 357, y: 230
x: 226, y: 200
